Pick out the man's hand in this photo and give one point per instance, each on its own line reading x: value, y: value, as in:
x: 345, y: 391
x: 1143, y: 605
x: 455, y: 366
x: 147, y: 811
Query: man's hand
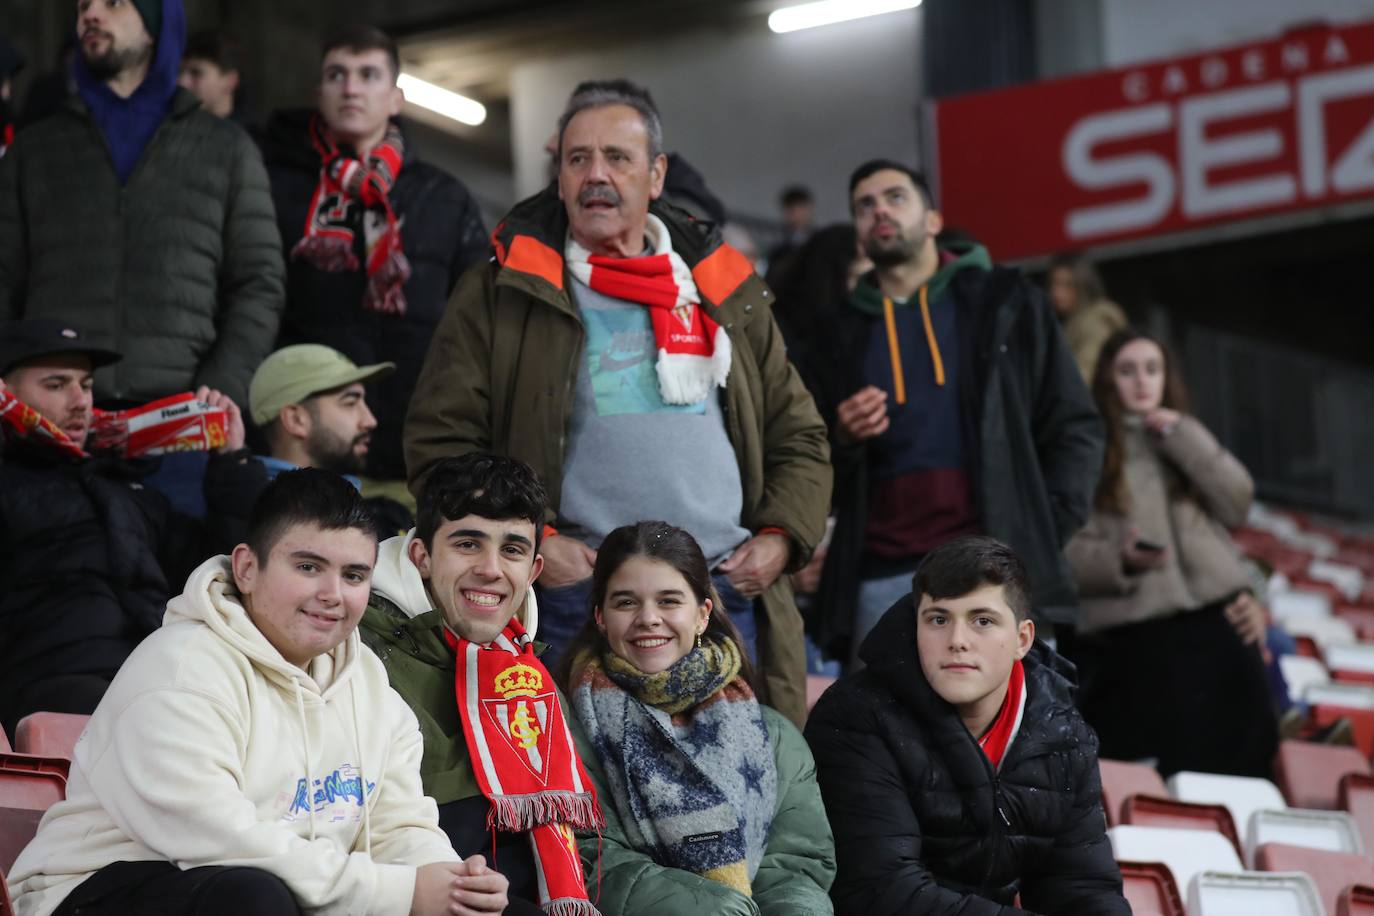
x: 567, y: 561
x: 807, y: 580
x: 234, y: 436
x: 434, y: 885
x: 757, y: 563
x: 862, y: 416
x: 1248, y: 616
x: 477, y: 889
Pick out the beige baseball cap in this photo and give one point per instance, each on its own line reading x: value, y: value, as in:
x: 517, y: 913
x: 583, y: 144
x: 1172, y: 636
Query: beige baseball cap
x: 295, y: 373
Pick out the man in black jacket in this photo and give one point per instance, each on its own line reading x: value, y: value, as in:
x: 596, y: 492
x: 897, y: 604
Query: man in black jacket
x: 955, y: 408
x: 955, y: 769
x: 89, y: 556
x: 375, y: 238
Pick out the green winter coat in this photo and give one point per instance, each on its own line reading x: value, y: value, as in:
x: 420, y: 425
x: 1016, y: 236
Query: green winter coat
x: 793, y: 879
x: 501, y: 373
x: 180, y: 269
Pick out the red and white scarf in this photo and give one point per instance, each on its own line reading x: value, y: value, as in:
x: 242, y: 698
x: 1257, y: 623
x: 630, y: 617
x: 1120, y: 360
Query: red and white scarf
x: 693, y: 350
x: 352, y: 195
x: 180, y: 423
x: 1008, y: 722
x: 525, y: 760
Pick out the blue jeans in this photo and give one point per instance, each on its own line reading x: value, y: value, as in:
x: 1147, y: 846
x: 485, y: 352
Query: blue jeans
x: 875, y: 597
x: 563, y: 611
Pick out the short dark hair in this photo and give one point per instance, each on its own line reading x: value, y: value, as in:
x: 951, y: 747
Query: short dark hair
x: 308, y: 496
x: 495, y: 487
x: 358, y: 38
x: 795, y: 194
x: 604, y: 93
x: 218, y: 47
x: 918, y: 178
x: 964, y: 565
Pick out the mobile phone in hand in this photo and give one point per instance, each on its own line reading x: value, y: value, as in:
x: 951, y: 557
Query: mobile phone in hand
x: 1145, y: 546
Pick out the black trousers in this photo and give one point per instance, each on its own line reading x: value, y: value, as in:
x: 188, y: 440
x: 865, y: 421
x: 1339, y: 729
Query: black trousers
x: 162, y: 889
x: 1182, y: 689
x: 465, y: 822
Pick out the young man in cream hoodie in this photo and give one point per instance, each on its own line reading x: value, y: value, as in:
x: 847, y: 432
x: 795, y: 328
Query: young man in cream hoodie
x: 250, y: 758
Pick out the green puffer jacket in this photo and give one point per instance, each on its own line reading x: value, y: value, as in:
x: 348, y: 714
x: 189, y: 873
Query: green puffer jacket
x: 793, y: 879
x: 502, y: 368
x: 180, y: 269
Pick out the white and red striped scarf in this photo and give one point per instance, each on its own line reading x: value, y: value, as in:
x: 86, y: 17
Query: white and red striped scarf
x: 525, y: 760
x: 352, y: 196
x: 693, y: 350
x: 1008, y: 722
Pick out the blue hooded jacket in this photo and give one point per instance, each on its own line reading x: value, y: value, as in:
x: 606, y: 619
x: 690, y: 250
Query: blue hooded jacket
x: 129, y: 124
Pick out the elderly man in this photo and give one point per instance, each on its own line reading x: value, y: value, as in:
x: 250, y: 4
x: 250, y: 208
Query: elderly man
x: 630, y: 357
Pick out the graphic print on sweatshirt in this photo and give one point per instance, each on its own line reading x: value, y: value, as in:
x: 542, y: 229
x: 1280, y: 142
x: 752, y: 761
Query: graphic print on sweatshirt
x: 339, y: 795
x: 621, y: 359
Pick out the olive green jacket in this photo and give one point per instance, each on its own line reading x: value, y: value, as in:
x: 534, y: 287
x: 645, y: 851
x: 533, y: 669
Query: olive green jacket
x: 501, y: 373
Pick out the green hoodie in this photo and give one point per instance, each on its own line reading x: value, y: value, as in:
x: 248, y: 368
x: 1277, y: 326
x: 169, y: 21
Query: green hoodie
x: 956, y: 256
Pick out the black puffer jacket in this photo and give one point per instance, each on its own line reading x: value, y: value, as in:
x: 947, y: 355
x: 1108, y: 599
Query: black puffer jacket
x: 89, y: 558
x: 442, y: 235
x: 923, y: 826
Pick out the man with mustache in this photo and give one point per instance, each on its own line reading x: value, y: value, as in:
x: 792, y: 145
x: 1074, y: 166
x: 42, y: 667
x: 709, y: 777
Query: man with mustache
x: 955, y: 408
x: 141, y: 218
x: 710, y: 428
x: 90, y: 554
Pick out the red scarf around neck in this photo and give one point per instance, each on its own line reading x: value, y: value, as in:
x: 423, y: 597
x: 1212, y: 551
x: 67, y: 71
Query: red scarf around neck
x: 352, y: 196
x: 181, y: 423
x: 1008, y: 722
x: 525, y: 760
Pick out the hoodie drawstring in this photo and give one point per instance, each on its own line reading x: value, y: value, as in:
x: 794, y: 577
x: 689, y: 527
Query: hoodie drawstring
x: 894, y: 350
x: 931, y: 341
x: 309, y: 777
x: 362, y: 775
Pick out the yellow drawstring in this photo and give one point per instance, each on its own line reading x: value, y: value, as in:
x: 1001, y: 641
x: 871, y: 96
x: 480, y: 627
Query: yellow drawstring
x: 930, y: 339
x: 894, y: 350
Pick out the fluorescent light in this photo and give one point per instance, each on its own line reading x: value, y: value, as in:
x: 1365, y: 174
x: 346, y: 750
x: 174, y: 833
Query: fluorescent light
x: 442, y: 101
x: 829, y: 12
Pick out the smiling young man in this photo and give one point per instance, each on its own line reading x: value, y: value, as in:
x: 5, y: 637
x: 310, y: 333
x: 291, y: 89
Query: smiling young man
x: 375, y: 237
x: 452, y: 617
x: 956, y: 771
x: 250, y: 756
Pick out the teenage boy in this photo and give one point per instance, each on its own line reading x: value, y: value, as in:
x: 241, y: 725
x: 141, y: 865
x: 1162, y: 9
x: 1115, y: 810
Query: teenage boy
x: 453, y: 618
x: 956, y: 771
x: 249, y: 756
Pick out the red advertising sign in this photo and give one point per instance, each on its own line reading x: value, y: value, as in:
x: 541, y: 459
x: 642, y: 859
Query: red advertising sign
x: 1163, y: 147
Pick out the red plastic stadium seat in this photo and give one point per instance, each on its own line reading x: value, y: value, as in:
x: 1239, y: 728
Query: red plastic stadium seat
x: 1151, y: 811
x: 28, y: 787
x: 1361, y: 721
x: 1333, y: 872
x: 1356, y: 901
x: 1357, y: 797
x: 1121, y: 780
x: 1310, y: 774
x: 1359, y: 616
x: 4, y: 742
x: 1150, y: 888
x: 50, y: 734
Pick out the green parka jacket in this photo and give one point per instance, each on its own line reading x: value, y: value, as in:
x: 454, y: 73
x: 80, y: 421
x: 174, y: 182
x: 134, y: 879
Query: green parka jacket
x: 179, y: 269
x: 501, y: 372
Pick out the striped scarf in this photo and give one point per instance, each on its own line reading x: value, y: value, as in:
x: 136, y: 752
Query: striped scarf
x: 688, y: 760
x: 525, y: 760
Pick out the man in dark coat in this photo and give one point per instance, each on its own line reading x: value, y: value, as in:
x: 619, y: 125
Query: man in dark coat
x: 142, y: 219
x: 954, y: 407
x: 89, y: 555
x: 371, y: 259
x: 955, y: 770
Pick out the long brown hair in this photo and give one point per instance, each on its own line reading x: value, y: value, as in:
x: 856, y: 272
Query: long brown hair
x: 667, y: 544
x: 1112, y: 495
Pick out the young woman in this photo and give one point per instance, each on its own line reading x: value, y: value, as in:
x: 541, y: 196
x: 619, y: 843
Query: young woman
x: 710, y: 798
x: 1169, y: 653
x: 1089, y: 317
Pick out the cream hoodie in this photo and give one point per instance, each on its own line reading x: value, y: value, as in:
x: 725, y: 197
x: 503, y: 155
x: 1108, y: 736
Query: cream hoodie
x: 211, y: 749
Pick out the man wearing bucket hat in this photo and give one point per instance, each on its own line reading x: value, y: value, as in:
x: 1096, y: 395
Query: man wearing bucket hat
x: 91, y: 554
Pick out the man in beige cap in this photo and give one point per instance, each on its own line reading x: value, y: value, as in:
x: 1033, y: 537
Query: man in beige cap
x: 311, y: 406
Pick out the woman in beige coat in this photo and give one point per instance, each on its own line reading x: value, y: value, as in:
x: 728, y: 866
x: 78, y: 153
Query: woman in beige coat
x: 1170, y: 637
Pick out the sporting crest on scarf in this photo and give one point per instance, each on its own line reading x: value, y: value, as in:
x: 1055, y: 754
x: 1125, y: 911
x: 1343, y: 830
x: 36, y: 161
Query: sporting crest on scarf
x: 527, y: 715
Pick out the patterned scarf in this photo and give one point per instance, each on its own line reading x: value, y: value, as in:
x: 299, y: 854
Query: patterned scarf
x: 352, y: 195
x: 1008, y: 722
x: 687, y: 758
x: 693, y: 350
x: 180, y: 423
x: 525, y: 761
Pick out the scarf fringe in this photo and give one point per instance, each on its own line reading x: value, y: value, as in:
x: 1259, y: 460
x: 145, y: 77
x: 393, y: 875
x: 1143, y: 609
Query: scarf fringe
x: 570, y: 906
x: 385, y: 293
x: 685, y: 378
x: 328, y: 254
x: 519, y: 813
